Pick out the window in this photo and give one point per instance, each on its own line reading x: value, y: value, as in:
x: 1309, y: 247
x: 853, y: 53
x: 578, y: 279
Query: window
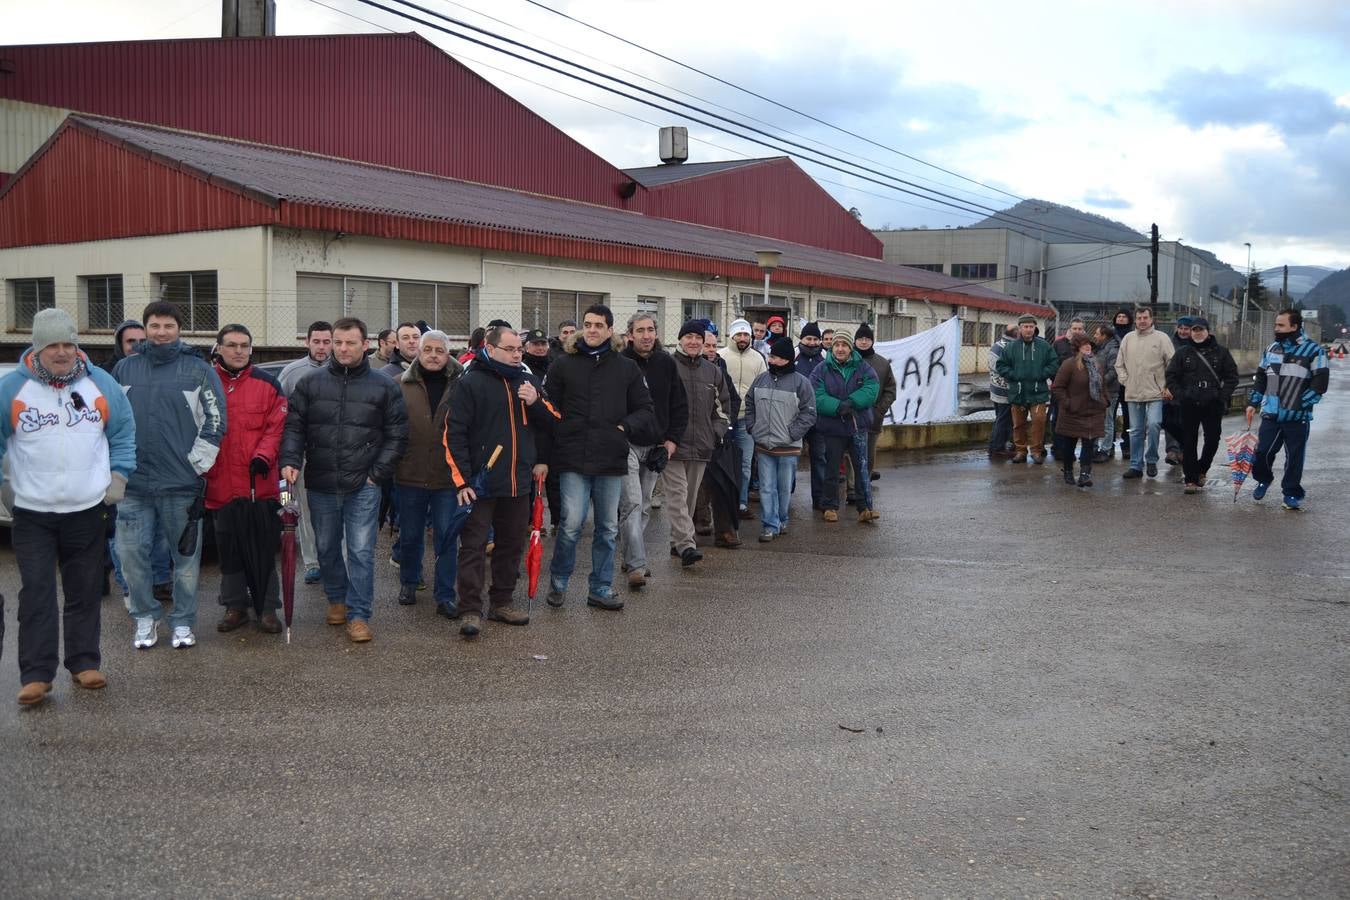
x: 968, y: 330
x: 976, y: 334
x: 926, y: 267
x: 890, y: 328
x: 31, y: 295
x: 700, y: 309
x: 194, y: 293
x: 1026, y: 276
x: 974, y: 270
x: 650, y: 305
x: 1012, y: 274
x: 544, y: 309
x: 837, y: 311
x: 756, y: 300
x: 317, y: 299
x: 442, y: 306
x: 102, y: 302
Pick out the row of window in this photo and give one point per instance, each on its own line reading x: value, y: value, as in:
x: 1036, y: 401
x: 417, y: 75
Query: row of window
x: 100, y: 299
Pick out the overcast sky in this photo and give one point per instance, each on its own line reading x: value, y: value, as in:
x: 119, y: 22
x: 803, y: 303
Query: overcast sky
x: 1224, y: 122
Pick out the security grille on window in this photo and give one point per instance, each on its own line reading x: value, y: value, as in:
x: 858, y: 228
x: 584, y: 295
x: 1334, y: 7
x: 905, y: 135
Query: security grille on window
x: 969, y: 332
x: 836, y: 311
x: 194, y: 293
x: 103, y: 301
x: 986, y: 335
x: 974, y: 270
x: 749, y: 300
x: 442, y: 306
x: 31, y: 295
x: 369, y: 302
x: 544, y: 309
x: 699, y: 309
x: 890, y: 328
x: 317, y: 299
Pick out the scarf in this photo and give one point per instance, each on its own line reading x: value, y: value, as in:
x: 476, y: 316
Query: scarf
x: 59, y: 381
x: 583, y: 347
x: 510, y: 374
x: 866, y: 354
x: 780, y: 371
x: 435, y: 383
x: 810, y: 352
x: 1094, y: 379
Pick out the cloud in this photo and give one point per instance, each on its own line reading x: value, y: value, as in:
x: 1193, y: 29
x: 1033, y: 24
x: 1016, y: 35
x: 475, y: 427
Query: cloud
x: 1106, y: 200
x: 1212, y: 97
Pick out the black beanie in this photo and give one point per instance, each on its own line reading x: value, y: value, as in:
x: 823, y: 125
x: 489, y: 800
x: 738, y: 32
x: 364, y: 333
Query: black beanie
x: 810, y: 329
x: 693, y: 326
x: 864, y: 331
x: 782, y: 348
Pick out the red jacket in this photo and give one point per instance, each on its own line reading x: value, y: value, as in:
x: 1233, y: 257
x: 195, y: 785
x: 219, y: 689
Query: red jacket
x: 255, y: 413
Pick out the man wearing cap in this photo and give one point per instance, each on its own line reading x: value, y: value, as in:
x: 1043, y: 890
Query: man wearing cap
x: 1028, y: 364
x: 863, y: 342
x: 780, y: 409
x: 70, y: 436
x: 744, y: 365
x: 1202, y: 377
x: 647, y: 461
x: 709, y: 402
x: 846, y: 390
x: 537, y: 355
x: 810, y: 354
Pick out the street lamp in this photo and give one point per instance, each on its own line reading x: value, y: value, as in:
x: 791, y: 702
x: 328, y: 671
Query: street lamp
x: 1246, y: 292
x: 768, y: 261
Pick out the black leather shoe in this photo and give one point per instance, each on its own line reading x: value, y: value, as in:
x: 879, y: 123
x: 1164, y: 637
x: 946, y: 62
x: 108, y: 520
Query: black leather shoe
x: 690, y: 556
x: 1132, y: 473
x: 407, y: 595
x: 610, y: 603
x: 448, y: 611
x: 554, y: 598
x: 1152, y: 470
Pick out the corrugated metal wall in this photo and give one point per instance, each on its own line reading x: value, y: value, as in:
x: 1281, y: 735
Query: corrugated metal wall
x: 394, y: 100
x: 85, y: 189
x: 775, y: 199
x: 24, y: 127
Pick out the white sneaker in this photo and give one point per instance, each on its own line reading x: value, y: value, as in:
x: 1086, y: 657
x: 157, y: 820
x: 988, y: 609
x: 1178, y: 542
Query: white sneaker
x: 183, y: 637
x: 147, y: 633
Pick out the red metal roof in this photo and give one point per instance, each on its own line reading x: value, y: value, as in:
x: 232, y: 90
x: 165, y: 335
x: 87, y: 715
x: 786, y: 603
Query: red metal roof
x: 656, y: 176
x: 303, y: 190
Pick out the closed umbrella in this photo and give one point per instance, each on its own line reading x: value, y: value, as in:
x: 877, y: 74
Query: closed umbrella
x: 460, y: 514
x: 1241, y: 455
x: 724, y: 482
x: 248, y: 535
x: 534, y: 557
x: 290, y: 518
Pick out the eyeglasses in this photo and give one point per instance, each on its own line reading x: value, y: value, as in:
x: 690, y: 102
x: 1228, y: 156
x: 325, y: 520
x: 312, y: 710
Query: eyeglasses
x: 234, y: 346
x: 516, y: 349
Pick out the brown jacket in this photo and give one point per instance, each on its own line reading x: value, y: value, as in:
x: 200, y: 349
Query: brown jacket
x: 424, y: 465
x: 1079, y: 415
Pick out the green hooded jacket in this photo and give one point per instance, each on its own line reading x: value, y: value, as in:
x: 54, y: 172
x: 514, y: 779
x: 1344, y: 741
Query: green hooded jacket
x: 1027, y: 367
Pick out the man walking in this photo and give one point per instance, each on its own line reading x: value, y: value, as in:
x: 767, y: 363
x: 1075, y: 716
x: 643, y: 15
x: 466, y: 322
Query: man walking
x: 780, y: 410
x: 810, y: 354
x: 1141, y: 366
x: 1291, y: 380
x: 245, y: 468
x: 863, y: 342
x: 497, y: 403
x: 70, y: 438
x: 318, y: 348
x: 1028, y: 364
x: 744, y: 365
x: 998, y: 393
x: 1181, y: 337
x: 645, y: 463
x: 846, y: 389
x: 708, y: 401
x: 409, y: 345
x: 423, y: 474
x: 179, y: 406
x: 1202, y: 377
x: 347, y: 427
x: 604, y: 406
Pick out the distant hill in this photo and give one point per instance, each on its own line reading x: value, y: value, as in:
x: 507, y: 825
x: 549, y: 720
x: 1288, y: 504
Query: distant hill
x: 1335, y: 288
x: 1060, y: 224
x: 1302, y: 279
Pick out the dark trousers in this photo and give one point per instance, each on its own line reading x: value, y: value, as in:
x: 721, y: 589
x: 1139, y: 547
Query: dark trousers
x: 509, y: 520
x: 234, y: 591
x: 1193, y: 419
x: 1002, y: 432
x: 815, y: 447
x: 1064, y: 452
x: 855, y: 448
x: 1294, y: 437
x: 1124, y: 432
x: 553, y: 493
x: 75, y: 543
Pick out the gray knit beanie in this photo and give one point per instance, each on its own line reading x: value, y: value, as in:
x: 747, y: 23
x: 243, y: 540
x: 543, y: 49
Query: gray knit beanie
x: 53, y: 326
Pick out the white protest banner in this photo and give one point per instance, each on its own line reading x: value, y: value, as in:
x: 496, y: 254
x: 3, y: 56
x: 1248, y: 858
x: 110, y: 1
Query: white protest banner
x: 926, y: 374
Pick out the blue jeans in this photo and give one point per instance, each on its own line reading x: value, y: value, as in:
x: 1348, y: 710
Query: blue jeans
x: 775, y: 489
x: 579, y: 492
x: 142, y: 520
x: 352, y: 515
x: 1143, y: 415
x: 160, y: 564
x: 1294, y: 437
x: 1001, y: 433
x: 746, y: 443
x: 413, y: 505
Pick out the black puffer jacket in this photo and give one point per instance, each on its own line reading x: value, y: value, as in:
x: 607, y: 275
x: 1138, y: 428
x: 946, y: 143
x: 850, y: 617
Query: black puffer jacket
x: 596, y: 395
x: 669, y: 402
x: 345, y: 425
x: 1191, y: 381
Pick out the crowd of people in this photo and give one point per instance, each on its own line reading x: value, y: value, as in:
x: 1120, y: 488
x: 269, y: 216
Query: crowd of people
x: 124, y: 465
x: 1171, y: 390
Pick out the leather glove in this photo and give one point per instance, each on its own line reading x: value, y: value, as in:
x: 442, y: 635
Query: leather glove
x: 259, y: 466
x: 845, y: 408
x: 7, y: 495
x: 117, y: 489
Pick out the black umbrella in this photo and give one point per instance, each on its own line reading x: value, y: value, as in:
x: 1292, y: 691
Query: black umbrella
x: 248, y: 536
x: 459, y: 516
x: 724, y: 482
x: 187, y: 541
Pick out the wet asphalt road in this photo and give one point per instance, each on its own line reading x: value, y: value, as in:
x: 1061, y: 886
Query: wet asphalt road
x: 1048, y: 692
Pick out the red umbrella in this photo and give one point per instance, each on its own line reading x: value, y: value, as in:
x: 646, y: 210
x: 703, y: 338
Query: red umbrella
x: 290, y: 517
x: 534, y: 557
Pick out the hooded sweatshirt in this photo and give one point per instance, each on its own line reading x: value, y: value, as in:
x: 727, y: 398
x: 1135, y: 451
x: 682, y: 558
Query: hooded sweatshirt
x: 117, y: 354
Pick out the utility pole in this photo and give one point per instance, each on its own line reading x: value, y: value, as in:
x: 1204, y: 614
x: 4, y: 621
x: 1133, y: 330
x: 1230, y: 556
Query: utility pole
x: 1284, y: 291
x: 1153, y: 269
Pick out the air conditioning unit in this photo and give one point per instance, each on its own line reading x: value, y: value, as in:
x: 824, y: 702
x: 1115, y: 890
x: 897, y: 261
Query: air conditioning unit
x: 965, y: 312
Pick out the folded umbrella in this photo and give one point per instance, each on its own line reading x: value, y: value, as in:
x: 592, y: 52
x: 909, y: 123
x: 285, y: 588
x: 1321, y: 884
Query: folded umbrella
x: 724, y: 482
x: 460, y: 514
x: 534, y: 557
x: 289, y: 513
x: 1241, y: 454
x: 248, y: 535
x: 187, y: 541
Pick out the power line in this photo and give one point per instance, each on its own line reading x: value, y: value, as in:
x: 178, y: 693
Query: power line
x: 942, y: 198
